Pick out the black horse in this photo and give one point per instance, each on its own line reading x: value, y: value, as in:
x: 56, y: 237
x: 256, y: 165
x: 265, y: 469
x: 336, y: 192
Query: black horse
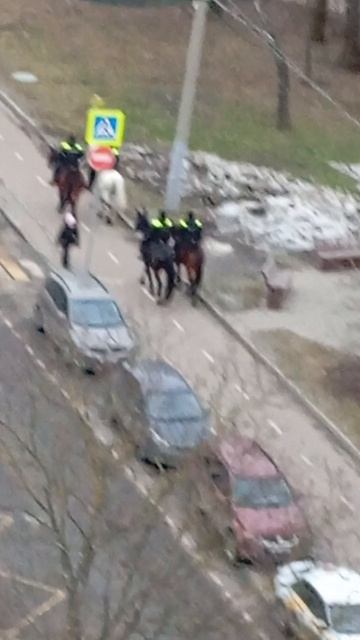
x: 157, y: 256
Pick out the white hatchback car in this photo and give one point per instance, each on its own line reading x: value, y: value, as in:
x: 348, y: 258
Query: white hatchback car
x: 319, y: 600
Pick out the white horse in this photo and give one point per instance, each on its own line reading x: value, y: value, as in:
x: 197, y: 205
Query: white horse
x: 110, y: 190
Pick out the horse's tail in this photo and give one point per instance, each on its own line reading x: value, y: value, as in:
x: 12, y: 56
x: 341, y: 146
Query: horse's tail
x: 118, y: 193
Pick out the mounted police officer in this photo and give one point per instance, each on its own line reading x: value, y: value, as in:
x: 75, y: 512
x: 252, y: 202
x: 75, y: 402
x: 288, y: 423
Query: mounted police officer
x: 70, y: 153
x: 190, y: 228
x: 161, y: 227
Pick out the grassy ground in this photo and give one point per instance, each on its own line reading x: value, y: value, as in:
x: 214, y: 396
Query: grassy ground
x: 134, y: 58
x: 329, y: 378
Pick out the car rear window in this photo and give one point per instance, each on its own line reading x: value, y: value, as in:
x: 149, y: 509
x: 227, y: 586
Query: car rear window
x: 261, y: 493
x: 96, y: 313
x: 173, y: 406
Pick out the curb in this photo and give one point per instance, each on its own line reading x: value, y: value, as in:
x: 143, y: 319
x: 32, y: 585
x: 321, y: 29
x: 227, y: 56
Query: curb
x: 340, y: 439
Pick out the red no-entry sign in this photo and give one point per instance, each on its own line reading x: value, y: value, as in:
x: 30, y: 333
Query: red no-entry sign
x: 101, y: 158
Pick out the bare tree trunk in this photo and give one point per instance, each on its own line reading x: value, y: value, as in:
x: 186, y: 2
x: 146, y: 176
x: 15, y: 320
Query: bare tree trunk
x: 308, y: 60
x: 74, y: 630
x: 350, y: 58
x: 319, y: 21
x: 283, y: 118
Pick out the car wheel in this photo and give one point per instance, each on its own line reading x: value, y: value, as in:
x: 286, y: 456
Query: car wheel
x: 231, y: 547
x: 39, y: 320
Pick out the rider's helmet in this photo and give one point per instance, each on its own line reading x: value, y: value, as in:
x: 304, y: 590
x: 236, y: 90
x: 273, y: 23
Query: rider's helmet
x: 71, y: 139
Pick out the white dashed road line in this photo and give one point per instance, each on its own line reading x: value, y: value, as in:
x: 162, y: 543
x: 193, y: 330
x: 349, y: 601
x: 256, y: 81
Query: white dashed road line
x: 347, y: 503
x: 208, y: 356
x: 113, y: 258
x: 275, y: 427
x: 147, y: 293
x: 42, y: 181
x: 247, y: 617
x: 85, y: 227
x: 243, y: 393
x: 18, y: 156
x: 215, y: 578
x: 306, y: 460
x: 178, y: 325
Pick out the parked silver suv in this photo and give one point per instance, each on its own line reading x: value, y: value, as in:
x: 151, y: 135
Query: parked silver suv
x: 79, y: 315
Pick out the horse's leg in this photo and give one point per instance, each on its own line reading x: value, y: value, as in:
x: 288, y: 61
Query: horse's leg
x: 159, y: 285
x: 170, y: 284
x: 150, y: 279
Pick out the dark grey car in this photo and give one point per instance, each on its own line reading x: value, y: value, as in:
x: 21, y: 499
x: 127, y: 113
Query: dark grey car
x: 80, y: 316
x: 158, y: 408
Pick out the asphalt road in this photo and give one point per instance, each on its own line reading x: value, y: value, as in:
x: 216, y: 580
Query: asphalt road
x: 175, y: 596
x: 243, y: 395
x: 180, y: 579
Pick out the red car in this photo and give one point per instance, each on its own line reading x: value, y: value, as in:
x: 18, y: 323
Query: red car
x: 250, y: 503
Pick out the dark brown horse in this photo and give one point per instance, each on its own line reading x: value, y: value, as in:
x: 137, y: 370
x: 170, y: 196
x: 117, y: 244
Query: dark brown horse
x: 157, y: 257
x: 69, y: 180
x: 191, y: 256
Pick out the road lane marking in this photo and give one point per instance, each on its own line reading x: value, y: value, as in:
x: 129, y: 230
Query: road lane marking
x: 247, y: 617
x: 113, y: 258
x: 148, y: 294
x: 114, y: 454
x: 40, y: 364
x: 85, y: 227
x: 275, y: 427
x: 228, y: 595
x: 348, y: 504
x: 65, y: 393
x: 170, y: 522
x: 215, y: 578
x: 208, y: 356
x: 29, y: 349
x: 18, y: 156
x: 241, y: 390
x: 42, y: 182
x: 306, y: 460
x: 178, y: 325
x: 188, y: 542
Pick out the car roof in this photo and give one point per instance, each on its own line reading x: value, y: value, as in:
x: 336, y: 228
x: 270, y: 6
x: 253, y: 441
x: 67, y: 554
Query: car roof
x: 80, y: 284
x: 243, y: 456
x: 158, y: 375
x: 336, y: 585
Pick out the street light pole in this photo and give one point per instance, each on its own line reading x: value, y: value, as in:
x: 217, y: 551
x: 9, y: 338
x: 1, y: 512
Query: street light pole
x: 183, y: 128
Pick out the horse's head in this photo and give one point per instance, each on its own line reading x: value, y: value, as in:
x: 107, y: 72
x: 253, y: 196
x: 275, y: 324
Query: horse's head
x: 142, y: 223
x: 53, y: 155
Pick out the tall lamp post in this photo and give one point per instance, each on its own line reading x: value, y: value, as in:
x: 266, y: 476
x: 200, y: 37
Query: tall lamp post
x: 183, y: 128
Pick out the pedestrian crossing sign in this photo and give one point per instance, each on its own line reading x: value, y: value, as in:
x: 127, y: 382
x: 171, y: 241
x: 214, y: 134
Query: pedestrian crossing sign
x: 105, y: 127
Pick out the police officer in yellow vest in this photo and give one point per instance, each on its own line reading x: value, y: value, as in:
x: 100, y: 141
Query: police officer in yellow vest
x: 70, y: 154
x: 161, y: 227
x: 191, y: 228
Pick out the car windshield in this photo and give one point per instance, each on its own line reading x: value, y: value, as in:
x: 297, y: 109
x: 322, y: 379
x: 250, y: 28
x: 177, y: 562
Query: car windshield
x: 95, y: 313
x: 345, y: 618
x: 260, y: 493
x: 176, y: 405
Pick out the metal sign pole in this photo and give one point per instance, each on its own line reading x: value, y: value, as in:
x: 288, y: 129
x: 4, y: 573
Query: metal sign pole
x: 180, y: 144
